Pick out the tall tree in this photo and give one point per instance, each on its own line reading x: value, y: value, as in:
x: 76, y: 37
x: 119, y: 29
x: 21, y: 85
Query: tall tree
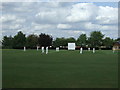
x: 108, y: 42
x: 96, y: 38
x: 63, y: 41
x: 118, y: 39
x: 82, y: 40
x: 19, y: 40
x: 59, y: 42
x: 71, y: 40
x: 7, y: 42
x: 45, y: 40
x: 32, y: 41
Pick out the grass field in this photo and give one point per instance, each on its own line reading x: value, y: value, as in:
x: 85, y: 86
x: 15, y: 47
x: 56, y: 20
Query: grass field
x: 64, y: 69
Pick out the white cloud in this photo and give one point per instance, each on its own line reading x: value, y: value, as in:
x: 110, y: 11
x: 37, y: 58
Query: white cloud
x: 50, y: 14
x: 36, y: 26
x: 78, y: 32
x: 58, y: 19
x: 40, y: 27
x: 11, y: 18
x: 47, y: 15
x: 107, y: 15
x: 7, y: 18
x: 82, y: 12
x: 14, y: 27
x: 113, y: 28
x: 63, y: 26
x: 53, y: 4
x: 20, y: 20
x: 91, y: 26
x: 91, y: 12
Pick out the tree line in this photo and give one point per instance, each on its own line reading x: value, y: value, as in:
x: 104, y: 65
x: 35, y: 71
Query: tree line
x: 20, y: 40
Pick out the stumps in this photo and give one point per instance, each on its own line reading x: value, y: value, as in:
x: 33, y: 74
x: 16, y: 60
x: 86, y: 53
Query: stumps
x: 42, y: 49
x: 24, y: 48
x: 57, y: 49
x: 46, y: 50
x: 81, y: 50
x: 93, y: 50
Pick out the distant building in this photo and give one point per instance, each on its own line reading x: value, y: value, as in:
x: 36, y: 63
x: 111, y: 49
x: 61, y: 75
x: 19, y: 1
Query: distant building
x: 116, y: 45
x: 103, y: 47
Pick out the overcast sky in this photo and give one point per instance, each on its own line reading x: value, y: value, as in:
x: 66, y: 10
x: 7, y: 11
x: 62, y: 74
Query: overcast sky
x: 59, y: 19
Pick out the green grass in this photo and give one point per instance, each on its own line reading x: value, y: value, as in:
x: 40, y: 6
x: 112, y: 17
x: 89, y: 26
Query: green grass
x: 64, y: 69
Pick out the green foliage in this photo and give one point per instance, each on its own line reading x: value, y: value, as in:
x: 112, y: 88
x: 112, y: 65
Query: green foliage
x: 19, y: 40
x: 82, y: 40
x: 118, y: 39
x: 63, y: 41
x: 32, y: 41
x: 59, y: 42
x: 45, y: 40
x: 7, y: 42
x: 108, y: 42
x: 70, y: 40
x: 95, y: 39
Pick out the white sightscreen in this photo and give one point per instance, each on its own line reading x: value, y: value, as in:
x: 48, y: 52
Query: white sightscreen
x: 71, y: 46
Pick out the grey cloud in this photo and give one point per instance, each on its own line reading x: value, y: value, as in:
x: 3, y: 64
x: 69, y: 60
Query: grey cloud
x: 69, y: 17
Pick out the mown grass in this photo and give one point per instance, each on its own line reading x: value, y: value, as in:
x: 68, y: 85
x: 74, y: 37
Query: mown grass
x: 64, y: 69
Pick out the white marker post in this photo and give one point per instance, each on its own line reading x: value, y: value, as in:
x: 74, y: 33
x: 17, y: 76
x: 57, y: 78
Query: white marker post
x: 88, y: 49
x: 93, y: 50
x: 57, y: 49
x: 42, y: 49
x: 37, y: 48
x: 24, y: 48
x: 81, y: 49
x: 46, y: 50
